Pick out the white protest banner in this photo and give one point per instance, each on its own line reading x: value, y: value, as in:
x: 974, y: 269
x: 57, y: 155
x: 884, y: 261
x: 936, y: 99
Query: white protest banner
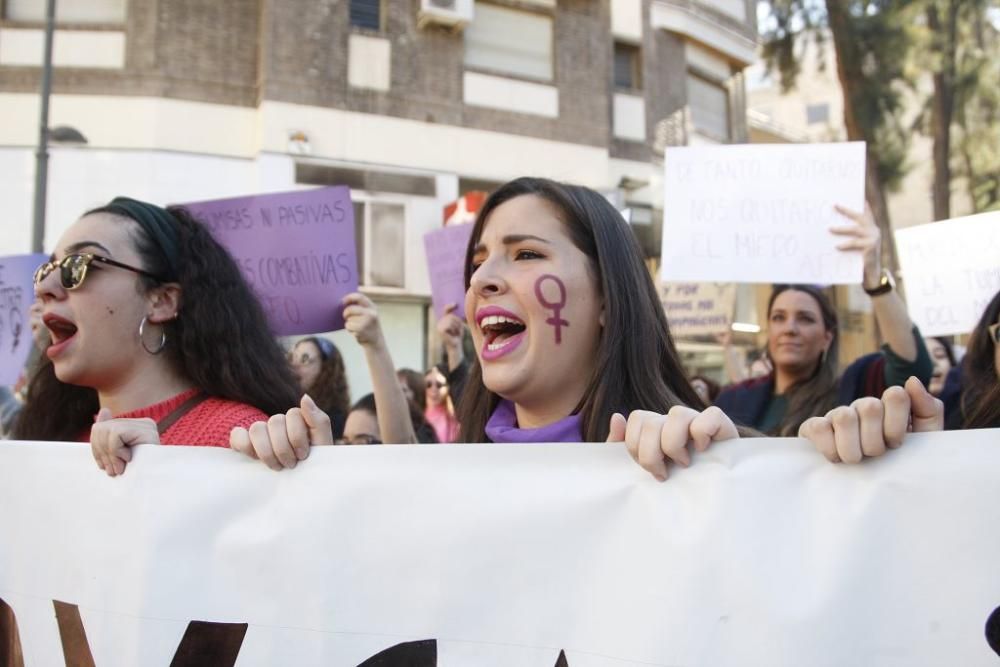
x: 760, y: 553
x: 952, y: 270
x: 698, y: 309
x: 760, y: 213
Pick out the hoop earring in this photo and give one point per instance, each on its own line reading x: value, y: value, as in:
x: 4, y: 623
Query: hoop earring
x: 142, y: 337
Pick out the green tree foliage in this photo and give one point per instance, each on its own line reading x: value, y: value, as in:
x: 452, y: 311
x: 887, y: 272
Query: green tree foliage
x: 977, y: 115
x: 887, y: 48
x: 872, y: 41
x: 957, y: 48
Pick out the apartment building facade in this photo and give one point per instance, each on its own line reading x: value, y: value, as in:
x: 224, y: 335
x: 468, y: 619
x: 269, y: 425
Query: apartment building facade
x: 409, y: 102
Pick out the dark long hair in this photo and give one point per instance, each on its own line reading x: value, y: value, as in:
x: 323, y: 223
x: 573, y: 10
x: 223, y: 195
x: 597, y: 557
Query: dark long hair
x: 330, y: 389
x: 817, y: 394
x: 980, y: 385
x: 637, y: 366
x: 949, y: 349
x: 220, y: 341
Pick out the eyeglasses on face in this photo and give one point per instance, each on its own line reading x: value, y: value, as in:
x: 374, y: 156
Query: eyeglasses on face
x: 73, y: 269
x: 360, y: 439
x: 994, y: 331
x: 301, y: 359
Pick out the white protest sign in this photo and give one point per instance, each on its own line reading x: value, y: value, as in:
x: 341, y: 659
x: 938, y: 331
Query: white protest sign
x: 952, y: 270
x: 698, y: 309
x: 760, y: 213
x: 760, y: 553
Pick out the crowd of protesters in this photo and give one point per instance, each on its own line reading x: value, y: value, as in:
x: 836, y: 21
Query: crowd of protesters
x: 149, y: 333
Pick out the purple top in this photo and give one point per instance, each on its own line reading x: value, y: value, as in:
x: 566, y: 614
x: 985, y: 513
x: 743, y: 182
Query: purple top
x: 502, y: 427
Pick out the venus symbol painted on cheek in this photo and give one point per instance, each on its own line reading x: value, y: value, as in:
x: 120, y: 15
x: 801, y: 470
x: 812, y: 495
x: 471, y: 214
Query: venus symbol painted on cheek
x: 556, y: 304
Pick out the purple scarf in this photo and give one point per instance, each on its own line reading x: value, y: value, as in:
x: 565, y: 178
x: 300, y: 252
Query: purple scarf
x: 502, y: 427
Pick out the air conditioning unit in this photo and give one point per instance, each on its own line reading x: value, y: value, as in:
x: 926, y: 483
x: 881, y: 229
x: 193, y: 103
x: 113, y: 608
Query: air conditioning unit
x: 451, y: 13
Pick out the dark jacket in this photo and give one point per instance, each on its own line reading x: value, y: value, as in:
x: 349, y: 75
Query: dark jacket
x: 746, y: 402
x: 951, y: 396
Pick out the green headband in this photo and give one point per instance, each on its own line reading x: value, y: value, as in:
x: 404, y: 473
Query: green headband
x: 157, y: 222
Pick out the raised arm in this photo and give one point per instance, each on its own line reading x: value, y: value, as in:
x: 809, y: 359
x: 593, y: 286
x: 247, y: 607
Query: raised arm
x: 451, y: 329
x: 733, y: 359
x: 890, y: 312
x: 361, y: 319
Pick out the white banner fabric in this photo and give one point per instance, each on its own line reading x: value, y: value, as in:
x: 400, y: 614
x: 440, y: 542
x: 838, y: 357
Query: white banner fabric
x: 760, y: 553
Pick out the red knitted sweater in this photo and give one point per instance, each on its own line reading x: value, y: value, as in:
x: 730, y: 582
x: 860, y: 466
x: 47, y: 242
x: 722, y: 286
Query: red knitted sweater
x: 207, y: 424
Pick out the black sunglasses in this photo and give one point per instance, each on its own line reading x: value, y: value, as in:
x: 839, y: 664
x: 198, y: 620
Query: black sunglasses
x: 302, y: 359
x: 73, y: 269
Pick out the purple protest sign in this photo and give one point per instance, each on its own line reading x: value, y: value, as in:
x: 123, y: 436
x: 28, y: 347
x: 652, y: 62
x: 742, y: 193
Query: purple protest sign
x: 295, y: 248
x: 17, y: 293
x: 445, y: 249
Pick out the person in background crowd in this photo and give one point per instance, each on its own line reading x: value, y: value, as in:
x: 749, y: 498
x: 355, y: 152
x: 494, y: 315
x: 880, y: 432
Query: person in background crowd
x: 412, y: 384
x: 706, y: 387
x: 10, y: 408
x: 320, y: 368
x: 154, y: 330
x: 943, y: 357
x: 12, y: 398
x: 452, y: 332
x: 971, y: 393
x: 439, y: 410
x: 802, y: 346
x: 362, y: 427
x: 283, y: 440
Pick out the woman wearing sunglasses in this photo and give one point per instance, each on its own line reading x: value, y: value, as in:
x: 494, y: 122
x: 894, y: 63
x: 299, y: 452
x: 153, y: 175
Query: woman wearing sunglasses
x: 318, y: 365
x: 440, y: 409
x: 155, y: 331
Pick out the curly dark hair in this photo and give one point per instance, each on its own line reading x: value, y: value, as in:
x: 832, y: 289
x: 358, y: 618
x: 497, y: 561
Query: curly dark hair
x: 220, y: 342
x: 330, y: 389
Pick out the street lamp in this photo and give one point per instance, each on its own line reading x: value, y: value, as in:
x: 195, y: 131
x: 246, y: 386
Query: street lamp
x: 42, y: 153
x: 67, y: 136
